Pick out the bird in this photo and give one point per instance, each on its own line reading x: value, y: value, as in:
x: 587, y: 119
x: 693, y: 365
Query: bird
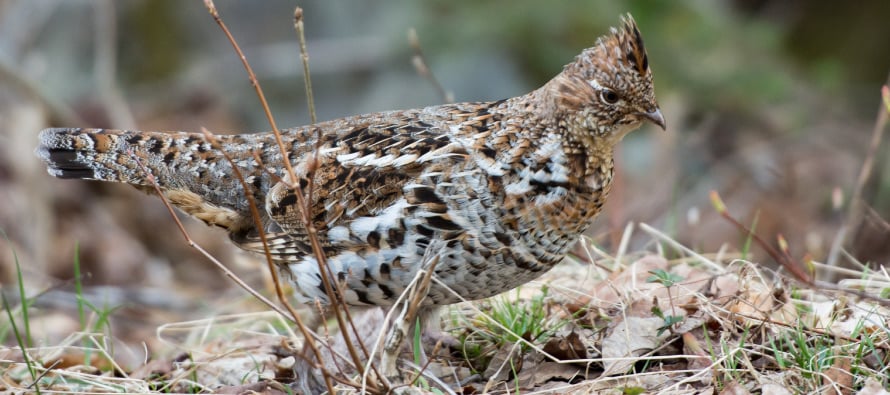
x: 496, y: 191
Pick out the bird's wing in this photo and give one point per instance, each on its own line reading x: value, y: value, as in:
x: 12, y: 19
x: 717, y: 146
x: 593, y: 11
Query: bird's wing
x: 365, y: 178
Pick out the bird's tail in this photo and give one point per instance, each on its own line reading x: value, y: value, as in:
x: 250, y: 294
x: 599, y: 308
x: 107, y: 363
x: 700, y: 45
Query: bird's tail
x: 194, y: 176
x: 121, y: 156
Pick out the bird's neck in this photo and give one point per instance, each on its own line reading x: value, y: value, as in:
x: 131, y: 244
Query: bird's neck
x: 589, y: 156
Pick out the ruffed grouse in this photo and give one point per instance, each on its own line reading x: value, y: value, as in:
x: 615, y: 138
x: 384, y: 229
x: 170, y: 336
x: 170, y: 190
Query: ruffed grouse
x: 501, y: 190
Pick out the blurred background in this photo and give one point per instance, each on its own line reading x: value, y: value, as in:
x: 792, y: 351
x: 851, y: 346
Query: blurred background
x: 769, y: 102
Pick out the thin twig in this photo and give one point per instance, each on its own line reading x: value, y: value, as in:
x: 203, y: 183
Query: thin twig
x: 304, y: 55
x: 151, y: 179
x: 792, y: 265
x: 292, y: 316
x: 781, y: 258
x: 256, y: 86
x: 420, y: 64
x: 255, y: 214
x: 258, y: 224
x: 46, y: 371
x: 329, y: 280
x: 335, y: 296
x: 854, y: 214
x: 105, y: 67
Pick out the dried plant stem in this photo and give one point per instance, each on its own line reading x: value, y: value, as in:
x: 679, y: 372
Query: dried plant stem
x: 667, y: 239
x: 308, y: 335
x: 255, y: 214
x: 413, y: 297
x: 304, y: 56
x: 334, y: 292
x: 151, y: 179
x: 855, y: 211
x: 420, y: 64
x: 105, y: 67
x: 256, y: 86
x: 784, y: 259
x: 331, y: 284
x: 328, y: 279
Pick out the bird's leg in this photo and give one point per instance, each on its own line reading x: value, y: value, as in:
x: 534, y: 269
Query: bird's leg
x: 432, y: 335
x: 410, y: 311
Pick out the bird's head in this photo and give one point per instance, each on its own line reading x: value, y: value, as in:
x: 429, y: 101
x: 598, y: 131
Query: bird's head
x: 607, y: 91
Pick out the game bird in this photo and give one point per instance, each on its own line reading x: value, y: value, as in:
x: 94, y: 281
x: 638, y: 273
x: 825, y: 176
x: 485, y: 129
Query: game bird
x: 497, y: 191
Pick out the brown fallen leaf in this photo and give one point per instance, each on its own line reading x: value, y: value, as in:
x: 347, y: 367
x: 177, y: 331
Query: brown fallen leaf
x: 693, y: 345
x: 838, y: 380
x: 259, y: 388
x: 547, y: 371
x: 504, y: 362
x: 734, y: 388
x: 872, y: 387
x: 566, y: 347
x: 154, y: 369
x: 629, y: 339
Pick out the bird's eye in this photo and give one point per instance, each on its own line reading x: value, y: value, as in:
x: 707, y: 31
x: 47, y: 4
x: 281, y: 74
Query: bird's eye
x: 609, y: 96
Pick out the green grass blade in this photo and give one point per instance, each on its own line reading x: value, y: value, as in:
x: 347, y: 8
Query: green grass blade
x: 20, y: 340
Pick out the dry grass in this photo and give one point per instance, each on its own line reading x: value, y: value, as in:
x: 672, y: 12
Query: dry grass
x: 737, y: 326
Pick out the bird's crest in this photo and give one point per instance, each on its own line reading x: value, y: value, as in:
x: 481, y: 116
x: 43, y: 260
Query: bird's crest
x: 627, y: 37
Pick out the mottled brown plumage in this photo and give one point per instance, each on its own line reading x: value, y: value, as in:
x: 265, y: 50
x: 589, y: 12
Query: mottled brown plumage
x: 500, y: 189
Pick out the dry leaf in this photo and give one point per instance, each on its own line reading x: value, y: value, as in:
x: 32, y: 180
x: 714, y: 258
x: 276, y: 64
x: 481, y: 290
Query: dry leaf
x: 503, y: 363
x: 547, y: 371
x: 629, y: 339
x: 692, y: 344
x: 734, y: 388
x: 872, y: 387
x: 566, y: 347
x: 631, y: 280
x: 837, y: 379
x: 774, y: 389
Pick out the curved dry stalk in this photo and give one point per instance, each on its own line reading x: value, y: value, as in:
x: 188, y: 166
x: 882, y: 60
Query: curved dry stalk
x: 256, y: 86
x: 420, y: 65
x: 307, y: 334
x: 855, y: 212
x: 304, y: 56
x: 191, y: 243
x: 105, y: 67
x: 328, y: 280
x: 784, y: 258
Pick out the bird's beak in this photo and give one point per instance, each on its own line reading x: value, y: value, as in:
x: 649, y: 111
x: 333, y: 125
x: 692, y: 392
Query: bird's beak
x: 655, y: 117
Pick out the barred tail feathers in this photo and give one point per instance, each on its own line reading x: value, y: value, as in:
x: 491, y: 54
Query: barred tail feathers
x: 193, y: 175
x: 113, y: 155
